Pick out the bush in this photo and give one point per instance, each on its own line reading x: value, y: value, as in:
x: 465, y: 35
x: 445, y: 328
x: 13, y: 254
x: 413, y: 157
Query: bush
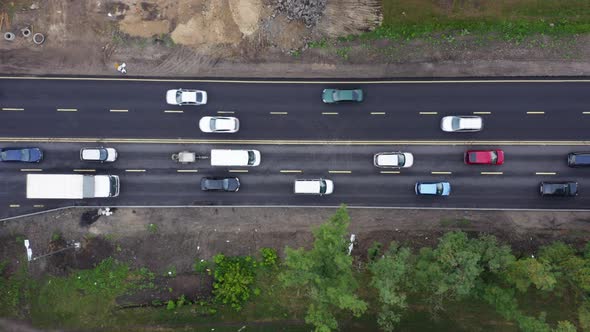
x: 171, y: 305
x: 201, y: 266
x: 269, y: 257
x: 233, y: 279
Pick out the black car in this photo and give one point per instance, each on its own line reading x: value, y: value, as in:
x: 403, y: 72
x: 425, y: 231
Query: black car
x: 220, y: 184
x: 25, y: 155
x: 565, y: 189
x: 578, y: 159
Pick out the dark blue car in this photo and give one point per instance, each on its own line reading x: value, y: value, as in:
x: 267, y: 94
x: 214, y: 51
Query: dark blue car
x: 26, y: 155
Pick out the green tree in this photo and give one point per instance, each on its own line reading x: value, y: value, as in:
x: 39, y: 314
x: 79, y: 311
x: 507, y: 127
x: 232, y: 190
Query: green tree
x: 570, y: 270
x: 565, y: 326
x: 527, y: 271
x: 390, y: 274
x: 584, y: 316
x: 325, y: 273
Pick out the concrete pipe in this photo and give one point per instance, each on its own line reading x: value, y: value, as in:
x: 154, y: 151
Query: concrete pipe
x: 9, y: 36
x: 26, y: 32
x: 38, y: 38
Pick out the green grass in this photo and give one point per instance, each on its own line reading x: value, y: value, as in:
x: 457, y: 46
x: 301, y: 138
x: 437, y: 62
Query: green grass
x: 511, y: 20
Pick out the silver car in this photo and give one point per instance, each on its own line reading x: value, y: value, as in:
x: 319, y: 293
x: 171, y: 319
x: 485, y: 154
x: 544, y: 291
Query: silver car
x: 461, y: 123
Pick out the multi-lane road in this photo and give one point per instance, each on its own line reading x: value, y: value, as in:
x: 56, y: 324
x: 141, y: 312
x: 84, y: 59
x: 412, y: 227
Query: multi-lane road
x: 535, y: 123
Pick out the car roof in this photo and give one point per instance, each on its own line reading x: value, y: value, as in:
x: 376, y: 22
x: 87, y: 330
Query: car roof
x: 470, y: 122
x: 189, y: 96
x: 428, y: 188
x: 224, y: 123
x: 388, y: 159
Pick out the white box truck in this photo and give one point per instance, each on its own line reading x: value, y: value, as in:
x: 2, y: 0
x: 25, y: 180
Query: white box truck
x: 71, y: 186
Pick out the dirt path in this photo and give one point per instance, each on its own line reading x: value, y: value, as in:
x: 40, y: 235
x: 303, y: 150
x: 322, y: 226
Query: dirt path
x: 179, y: 236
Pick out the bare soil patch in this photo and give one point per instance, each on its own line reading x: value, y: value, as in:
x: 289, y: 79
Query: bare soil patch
x: 250, y: 38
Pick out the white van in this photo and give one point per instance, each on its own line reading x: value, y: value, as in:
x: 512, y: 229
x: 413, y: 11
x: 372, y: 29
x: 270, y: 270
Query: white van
x: 235, y: 157
x: 314, y: 187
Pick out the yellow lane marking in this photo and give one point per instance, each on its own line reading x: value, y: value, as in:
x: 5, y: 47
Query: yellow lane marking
x: 329, y: 113
x: 339, y: 172
x: 482, y: 113
x: 280, y: 142
x: 84, y: 170
x: 428, y: 113
x: 135, y: 170
x: 377, y: 113
x: 390, y: 172
x: 67, y: 110
x: 14, y: 205
x: 291, y: 171
x: 38, y: 205
x: 545, y: 173
x: 187, y: 170
x: 173, y: 111
x: 12, y: 109
x: 225, y: 112
x: 585, y: 112
x: 535, y: 113
x: 279, y: 113
x: 119, y: 111
x: 283, y: 82
x: 492, y: 173
x: 31, y: 169
x: 238, y: 171
x: 440, y: 172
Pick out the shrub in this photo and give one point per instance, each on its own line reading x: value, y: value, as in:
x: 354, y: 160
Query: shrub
x: 171, y: 305
x: 201, y: 266
x: 269, y: 257
x: 233, y: 279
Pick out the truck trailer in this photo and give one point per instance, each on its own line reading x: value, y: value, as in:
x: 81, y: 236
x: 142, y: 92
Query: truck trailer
x: 71, y: 186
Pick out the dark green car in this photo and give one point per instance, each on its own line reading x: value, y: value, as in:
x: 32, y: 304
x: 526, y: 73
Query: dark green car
x: 330, y: 96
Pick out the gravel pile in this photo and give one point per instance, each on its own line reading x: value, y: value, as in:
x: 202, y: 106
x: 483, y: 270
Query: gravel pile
x: 309, y: 11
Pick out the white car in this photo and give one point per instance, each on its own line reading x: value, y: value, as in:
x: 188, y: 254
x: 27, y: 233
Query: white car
x: 219, y: 124
x: 99, y: 154
x: 186, y: 97
x: 461, y: 123
x: 393, y: 159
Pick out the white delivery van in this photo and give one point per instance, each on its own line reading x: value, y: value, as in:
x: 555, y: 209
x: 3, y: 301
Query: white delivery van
x: 314, y: 187
x: 235, y: 157
x: 71, y: 186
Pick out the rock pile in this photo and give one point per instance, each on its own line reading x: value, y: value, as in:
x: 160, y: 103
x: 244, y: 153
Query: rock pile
x: 309, y: 11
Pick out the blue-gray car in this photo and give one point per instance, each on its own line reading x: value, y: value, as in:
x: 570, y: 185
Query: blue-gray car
x: 433, y: 188
x: 25, y: 155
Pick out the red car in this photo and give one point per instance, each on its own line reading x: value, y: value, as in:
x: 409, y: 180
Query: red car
x: 488, y: 157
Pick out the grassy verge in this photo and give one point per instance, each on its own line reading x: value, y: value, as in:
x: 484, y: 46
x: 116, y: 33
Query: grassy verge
x: 512, y: 20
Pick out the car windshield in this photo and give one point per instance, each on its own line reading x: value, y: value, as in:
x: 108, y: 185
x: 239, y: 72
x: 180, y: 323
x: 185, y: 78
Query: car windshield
x: 103, y: 154
x: 225, y: 184
x: 401, y: 159
x: 323, y: 187
x: 456, y: 124
x: 179, y: 97
x: 336, y: 95
x: 251, y: 157
x: 113, y: 185
x: 212, y: 124
x: 494, y: 156
x: 199, y: 97
x: 439, y: 188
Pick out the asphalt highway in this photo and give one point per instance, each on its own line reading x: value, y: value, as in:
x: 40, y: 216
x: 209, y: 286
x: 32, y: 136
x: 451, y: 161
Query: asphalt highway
x: 544, y: 111
x: 150, y: 178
